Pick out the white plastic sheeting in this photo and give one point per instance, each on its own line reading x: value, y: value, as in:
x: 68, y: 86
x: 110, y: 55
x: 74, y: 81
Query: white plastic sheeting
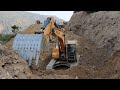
x: 28, y: 46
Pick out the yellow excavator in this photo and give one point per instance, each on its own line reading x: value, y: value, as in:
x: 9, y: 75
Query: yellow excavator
x: 62, y: 54
x: 29, y: 45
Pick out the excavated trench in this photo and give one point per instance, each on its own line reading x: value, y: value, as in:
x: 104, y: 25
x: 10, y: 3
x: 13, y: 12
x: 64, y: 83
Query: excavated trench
x: 99, y: 58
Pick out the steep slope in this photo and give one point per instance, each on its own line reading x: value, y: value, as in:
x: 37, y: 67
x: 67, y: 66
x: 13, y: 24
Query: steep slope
x: 101, y: 28
x: 12, y: 66
x: 21, y: 19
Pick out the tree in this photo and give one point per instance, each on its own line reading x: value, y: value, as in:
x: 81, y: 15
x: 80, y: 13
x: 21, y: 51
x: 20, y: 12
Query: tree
x: 15, y: 28
x: 38, y: 22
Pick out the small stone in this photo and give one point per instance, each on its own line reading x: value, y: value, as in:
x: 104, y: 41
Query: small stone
x: 16, y: 57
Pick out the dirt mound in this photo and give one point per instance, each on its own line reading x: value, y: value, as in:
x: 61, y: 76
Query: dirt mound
x: 101, y: 29
x: 12, y: 66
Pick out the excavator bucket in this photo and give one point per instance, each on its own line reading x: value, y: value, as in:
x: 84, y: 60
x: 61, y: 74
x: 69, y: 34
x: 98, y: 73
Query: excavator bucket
x: 28, y: 46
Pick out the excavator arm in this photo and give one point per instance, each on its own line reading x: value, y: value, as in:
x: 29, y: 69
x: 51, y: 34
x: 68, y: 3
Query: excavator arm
x: 61, y: 38
x: 49, y: 29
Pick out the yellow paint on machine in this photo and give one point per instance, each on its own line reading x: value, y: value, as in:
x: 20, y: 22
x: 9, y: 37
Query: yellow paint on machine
x: 55, y: 53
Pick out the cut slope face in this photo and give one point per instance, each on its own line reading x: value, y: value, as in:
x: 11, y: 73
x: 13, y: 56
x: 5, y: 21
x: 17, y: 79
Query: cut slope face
x: 101, y: 28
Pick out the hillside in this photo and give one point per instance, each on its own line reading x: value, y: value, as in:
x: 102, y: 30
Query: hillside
x: 101, y: 29
x: 20, y: 18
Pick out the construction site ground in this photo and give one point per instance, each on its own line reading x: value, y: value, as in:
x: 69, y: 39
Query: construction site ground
x: 85, y: 48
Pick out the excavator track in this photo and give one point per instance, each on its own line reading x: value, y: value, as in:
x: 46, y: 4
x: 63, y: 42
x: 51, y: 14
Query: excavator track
x: 54, y: 64
x: 62, y: 64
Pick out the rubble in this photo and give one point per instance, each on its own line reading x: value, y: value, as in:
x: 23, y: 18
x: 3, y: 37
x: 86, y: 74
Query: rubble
x: 13, y: 66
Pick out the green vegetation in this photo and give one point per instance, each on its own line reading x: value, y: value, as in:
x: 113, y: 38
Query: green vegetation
x: 6, y: 37
x: 15, y: 28
x: 38, y: 22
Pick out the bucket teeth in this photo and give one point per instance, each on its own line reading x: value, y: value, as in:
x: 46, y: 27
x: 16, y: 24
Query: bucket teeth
x: 28, y: 46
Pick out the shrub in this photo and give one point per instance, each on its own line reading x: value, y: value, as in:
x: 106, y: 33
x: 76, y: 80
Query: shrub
x: 38, y: 22
x: 6, y: 37
x: 15, y: 28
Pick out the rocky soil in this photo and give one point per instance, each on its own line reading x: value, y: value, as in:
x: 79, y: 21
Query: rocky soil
x: 13, y: 66
x: 101, y: 29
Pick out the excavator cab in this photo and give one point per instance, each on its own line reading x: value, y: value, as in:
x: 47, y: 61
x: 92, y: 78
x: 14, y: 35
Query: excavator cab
x: 46, y: 22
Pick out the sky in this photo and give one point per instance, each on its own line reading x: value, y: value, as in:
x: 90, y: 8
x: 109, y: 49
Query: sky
x: 65, y: 15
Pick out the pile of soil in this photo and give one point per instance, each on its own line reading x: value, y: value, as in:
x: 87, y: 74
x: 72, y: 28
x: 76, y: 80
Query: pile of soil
x: 13, y: 66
